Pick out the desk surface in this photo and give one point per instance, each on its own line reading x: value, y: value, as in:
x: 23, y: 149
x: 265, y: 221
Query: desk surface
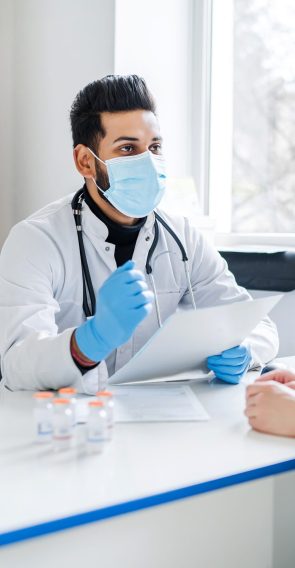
x: 144, y: 465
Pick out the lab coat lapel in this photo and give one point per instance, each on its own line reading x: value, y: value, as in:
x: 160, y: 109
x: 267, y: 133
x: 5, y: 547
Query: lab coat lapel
x: 96, y: 231
x: 144, y: 242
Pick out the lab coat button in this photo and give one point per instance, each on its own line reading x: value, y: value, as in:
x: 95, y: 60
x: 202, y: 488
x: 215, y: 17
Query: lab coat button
x: 107, y: 248
x: 147, y: 238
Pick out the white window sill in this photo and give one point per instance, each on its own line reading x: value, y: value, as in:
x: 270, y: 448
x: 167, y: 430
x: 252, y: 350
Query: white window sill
x: 255, y: 242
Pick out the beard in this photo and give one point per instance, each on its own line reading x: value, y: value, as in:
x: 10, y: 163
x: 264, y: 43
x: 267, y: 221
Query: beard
x: 102, y: 178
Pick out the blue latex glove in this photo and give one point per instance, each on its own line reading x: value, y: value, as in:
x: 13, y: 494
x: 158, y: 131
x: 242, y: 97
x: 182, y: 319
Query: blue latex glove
x: 122, y: 303
x: 230, y: 365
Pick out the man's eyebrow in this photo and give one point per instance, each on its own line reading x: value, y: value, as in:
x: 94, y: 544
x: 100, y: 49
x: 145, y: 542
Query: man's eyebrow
x: 132, y: 139
x: 129, y: 138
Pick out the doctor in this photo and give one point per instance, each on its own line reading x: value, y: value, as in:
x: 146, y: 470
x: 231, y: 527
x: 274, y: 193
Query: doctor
x: 108, y: 252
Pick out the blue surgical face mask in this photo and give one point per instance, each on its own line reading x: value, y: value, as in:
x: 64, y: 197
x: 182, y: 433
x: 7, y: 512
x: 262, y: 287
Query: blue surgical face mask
x: 137, y: 183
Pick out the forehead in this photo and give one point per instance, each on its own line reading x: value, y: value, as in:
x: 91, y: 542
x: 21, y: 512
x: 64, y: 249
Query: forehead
x: 137, y: 123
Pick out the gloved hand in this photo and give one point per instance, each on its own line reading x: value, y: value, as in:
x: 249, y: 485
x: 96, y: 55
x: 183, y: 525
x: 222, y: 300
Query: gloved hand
x: 122, y: 303
x: 230, y: 365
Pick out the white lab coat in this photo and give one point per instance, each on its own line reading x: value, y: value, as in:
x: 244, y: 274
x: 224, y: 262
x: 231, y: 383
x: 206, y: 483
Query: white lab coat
x: 41, y: 293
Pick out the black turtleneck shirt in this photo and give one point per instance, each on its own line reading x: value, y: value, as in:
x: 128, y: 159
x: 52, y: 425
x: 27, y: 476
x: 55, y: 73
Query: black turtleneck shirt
x: 124, y: 237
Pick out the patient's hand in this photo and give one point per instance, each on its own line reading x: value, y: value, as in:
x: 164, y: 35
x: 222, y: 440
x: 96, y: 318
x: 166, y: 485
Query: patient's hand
x: 270, y: 406
x: 280, y: 376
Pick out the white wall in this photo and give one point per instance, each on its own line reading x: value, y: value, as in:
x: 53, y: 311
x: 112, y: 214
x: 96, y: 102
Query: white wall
x: 6, y: 107
x: 49, y: 51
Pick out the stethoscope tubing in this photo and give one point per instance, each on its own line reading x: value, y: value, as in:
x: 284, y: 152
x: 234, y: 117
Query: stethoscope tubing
x: 89, y: 300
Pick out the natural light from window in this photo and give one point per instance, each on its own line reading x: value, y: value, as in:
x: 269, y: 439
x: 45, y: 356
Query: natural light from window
x: 263, y: 162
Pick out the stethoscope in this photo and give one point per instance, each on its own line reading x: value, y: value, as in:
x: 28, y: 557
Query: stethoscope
x: 89, y: 301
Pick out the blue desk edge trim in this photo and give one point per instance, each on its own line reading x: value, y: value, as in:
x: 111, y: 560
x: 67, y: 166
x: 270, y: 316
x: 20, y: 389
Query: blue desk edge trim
x: 124, y: 508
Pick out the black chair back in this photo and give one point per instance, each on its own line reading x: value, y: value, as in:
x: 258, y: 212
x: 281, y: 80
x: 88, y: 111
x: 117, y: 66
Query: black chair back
x: 262, y: 271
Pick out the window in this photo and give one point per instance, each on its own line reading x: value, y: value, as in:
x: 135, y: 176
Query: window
x: 252, y: 185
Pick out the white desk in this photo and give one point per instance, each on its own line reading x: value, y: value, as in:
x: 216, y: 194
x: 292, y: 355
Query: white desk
x: 167, y: 475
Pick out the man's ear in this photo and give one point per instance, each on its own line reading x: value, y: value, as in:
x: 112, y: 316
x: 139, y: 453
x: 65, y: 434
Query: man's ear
x: 84, y: 161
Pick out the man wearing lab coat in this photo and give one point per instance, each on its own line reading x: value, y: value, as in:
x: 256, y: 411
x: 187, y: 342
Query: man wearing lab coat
x: 46, y: 341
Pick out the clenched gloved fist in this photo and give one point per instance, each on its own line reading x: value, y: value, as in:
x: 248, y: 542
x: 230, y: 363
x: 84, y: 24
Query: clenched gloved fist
x: 122, y: 303
x: 230, y: 365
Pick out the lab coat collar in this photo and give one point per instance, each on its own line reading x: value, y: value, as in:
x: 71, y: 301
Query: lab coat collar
x: 150, y: 221
x: 92, y: 226
x: 97, y: 232
x: 95, y: 229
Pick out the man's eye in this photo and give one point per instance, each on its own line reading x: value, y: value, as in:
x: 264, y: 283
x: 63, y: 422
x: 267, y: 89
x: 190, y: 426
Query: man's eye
x: 156, y: 148
x: 128, y: 148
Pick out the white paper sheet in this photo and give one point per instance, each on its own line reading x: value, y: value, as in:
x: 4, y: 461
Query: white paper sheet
x: 187, y: 376
x: 148, y: 403
x: 187, y: 338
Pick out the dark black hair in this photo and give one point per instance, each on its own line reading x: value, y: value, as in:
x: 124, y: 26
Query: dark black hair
x: 113, y: 93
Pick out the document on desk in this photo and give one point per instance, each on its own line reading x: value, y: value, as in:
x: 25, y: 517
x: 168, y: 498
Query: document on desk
x: 157, y: 403
x: 188, y: 337
x: 152, y: 403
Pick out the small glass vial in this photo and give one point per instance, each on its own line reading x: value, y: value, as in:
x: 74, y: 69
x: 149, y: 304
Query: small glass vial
x: 62, y: 424
x: 102, y: 381
x: 43, y: 416
x: 107, y: 398
x: 70, y: 393
x: 96, y: 427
